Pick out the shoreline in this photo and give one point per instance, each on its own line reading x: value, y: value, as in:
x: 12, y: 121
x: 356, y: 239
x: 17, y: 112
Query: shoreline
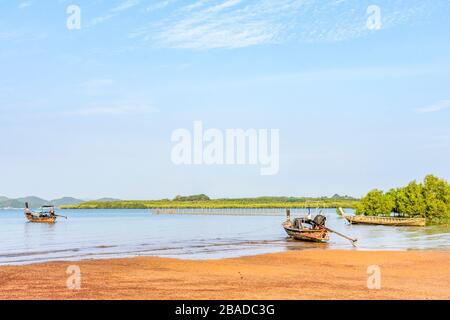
x: 305, y: 274
x: 82, y: 260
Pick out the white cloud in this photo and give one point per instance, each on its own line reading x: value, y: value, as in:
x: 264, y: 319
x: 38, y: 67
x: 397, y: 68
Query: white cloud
x: 195, y: 5
x: 224, y: 5
x: 101, y: 19
x: 224, y: 24
x: 438, y: 106
x: 158, y: 5
x: 207, y: 24
x: 123, y: 6
x: 24, y: 4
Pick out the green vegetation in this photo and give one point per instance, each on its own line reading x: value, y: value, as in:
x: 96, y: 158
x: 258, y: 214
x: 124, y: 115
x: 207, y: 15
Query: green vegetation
x: 375, y: 203
x: 202, y: 201
x: 430, y: 199
x: 198, y: 197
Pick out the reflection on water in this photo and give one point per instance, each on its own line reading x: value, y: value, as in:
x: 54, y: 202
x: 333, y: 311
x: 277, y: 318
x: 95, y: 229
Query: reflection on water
x: 96, y: 234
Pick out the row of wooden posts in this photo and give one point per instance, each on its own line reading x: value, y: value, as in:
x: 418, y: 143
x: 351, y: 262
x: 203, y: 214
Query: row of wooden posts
x: 229, y: 211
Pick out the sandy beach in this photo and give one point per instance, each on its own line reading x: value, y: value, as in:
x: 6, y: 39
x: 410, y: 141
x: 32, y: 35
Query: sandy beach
x: 310, y: 274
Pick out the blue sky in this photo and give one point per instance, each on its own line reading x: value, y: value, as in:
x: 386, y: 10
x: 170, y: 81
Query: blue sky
x: 90, y: 112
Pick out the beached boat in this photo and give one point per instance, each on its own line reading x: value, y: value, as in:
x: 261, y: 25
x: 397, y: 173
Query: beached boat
x: 384, y: 221
x: 297, y: 230
x: 46, y: 214
x: 306, y: 229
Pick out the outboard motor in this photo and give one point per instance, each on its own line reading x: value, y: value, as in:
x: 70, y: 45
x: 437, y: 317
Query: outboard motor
x: 320, y: 220
x: 298, y: 223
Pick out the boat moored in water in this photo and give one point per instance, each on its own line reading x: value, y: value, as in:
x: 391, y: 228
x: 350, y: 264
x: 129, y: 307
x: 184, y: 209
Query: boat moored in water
x: 384, y: 221
x: 46, y: 214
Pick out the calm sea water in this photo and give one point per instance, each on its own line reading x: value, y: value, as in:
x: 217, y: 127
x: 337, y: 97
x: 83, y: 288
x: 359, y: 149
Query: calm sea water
x: 98, y: 234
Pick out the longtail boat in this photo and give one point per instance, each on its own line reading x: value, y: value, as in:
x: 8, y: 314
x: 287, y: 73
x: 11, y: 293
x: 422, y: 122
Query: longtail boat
x: 297, y: 230
x: 46, y: 214
x: 308, y: 229
x: 384, y: 221
x: 32, y: 218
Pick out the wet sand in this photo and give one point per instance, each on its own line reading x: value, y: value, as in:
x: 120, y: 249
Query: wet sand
x: 310, y: 274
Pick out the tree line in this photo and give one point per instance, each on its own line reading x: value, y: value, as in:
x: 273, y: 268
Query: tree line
x: 428, y: 199
x: 192, y: 203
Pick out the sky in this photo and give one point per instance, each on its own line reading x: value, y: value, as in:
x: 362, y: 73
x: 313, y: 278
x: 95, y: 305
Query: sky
x: 89, y: 112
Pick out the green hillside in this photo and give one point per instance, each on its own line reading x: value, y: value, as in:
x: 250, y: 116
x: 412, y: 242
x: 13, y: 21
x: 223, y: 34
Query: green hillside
x: 36, y: 202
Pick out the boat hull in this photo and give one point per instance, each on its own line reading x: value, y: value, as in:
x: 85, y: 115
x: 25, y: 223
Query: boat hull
x: 40, y: 220
x: 319, y: 235
x: 387, y: 221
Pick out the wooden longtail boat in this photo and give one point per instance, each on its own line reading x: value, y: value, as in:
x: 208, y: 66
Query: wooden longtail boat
x: 305, y: 229
x: 45, y: 214
x: 305, y: 234
x: 384, y: 221
x: 40, y: 219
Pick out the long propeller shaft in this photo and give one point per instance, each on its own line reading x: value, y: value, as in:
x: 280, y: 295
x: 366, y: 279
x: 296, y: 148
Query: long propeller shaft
x: 344, y: 236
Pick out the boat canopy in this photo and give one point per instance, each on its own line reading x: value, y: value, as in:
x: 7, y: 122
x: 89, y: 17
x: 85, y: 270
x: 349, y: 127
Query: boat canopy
x: 41, y: 211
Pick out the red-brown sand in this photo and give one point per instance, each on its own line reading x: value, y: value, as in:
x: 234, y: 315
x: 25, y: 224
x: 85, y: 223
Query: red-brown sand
x: 315, y: 274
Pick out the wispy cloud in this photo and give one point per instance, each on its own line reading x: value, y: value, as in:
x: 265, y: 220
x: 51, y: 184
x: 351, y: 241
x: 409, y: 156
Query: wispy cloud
x: 207, y: 24
x: 223, y: 5
x: 224, y: 24
x: 438, y: 106
x: 125, y: 5
x: 100, y: 19
x: 158, y: 5
x: 24, y: 4
x: 113, y: 12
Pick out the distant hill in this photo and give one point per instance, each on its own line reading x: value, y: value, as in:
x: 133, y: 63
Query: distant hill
x: 65, y: 200
x: 10, y: 203
x: 35, y: 202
